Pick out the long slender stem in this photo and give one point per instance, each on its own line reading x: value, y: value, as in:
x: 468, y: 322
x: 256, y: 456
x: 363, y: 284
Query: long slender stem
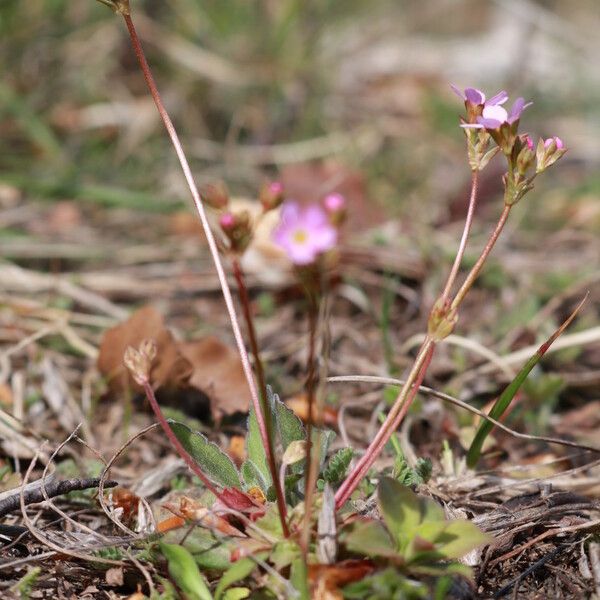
x: 472, y: 276
x: 139, y: 52
x: 465, y: 236
x: 417, y: 373
x: 260, y: 375
x: 310, y: 475
x: 191, y: 463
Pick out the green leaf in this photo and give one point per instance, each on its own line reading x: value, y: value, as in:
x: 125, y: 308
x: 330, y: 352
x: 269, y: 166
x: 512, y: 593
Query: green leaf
x: 284, y: 554
x: 255, y: 449
x: 236, y: 593
x: 252, y: 476
x: 289, y: 426
x: 299, y: 578
x: 370, y: 538
x: 213, y: 461
x: 208, y: 551
x: 503, y: 402
x: 459, y: 538
x: 400, y: 507
x: 337, y: 466
x: 239, y: 570
x: 184, y: 570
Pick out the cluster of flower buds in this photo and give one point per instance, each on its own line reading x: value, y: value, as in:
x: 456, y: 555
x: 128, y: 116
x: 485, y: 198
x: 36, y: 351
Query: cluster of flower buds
x: 139, y: 362
x: 237, y: 227
x: 271, y: 195
x: 305, y: 233
x: 490, y: 119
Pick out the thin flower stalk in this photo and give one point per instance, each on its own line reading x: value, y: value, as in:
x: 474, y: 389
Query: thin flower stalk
x: 464, y: 238
x: 260, y: 375
x: 139, y: 52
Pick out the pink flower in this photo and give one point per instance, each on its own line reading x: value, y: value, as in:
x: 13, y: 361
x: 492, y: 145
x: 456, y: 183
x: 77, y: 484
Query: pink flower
x: 304, y: 233
x: 476, y: 97
x: 226, y: 221
x: 494, y: 116
x: 559, y: 143
x: 529, y: 142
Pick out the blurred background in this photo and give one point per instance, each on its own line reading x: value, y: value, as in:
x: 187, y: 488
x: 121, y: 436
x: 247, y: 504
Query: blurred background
x: 326, y: 95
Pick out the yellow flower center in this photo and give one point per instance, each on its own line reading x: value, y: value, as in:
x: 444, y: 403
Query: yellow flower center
x: 300, y: 236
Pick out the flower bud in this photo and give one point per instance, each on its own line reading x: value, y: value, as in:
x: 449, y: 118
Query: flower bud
x: 526, y: 155
x: 271, y: 195
x: 335, y: 207
x: 237, y: 227
x: 139, y: 362
x: 216, y: 195
x: 548, y: 152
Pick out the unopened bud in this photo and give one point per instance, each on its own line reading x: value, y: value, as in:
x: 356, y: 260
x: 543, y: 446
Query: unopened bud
x: 216, y: 195
x: 526, y: 155
x: 335, y: 205
x: 548, y: 152
x: 237, y: 227
x: 271, y: 195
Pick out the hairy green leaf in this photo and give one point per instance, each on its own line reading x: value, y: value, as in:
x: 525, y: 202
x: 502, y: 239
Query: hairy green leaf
x: 213, y: 461
x: 400, y: 507
x: 289, y: 426
x: 370, y: 538
x: 255, y: 448
x: 252, y: 476
x: 338, y: 464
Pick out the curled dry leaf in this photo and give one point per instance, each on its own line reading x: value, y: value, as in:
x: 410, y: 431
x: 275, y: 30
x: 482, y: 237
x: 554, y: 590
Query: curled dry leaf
x: 170, y: 368
x: 326, y: 580
x: 206, y: 365
x: 217, y: 372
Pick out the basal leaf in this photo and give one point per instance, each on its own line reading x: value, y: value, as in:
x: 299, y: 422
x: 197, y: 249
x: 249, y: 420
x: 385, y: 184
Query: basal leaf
x: 239, y: 570
x: 208, y: 551
x: 400, y: 507
x: 184, y: 571
x: 289, y: 426
x: 252, y: 476
x: 213, y: 461
x: 459, y: 538
x: 255, y: 448
x: 370, y: 538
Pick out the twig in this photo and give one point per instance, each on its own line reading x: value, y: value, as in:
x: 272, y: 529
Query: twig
x: 53, y: 489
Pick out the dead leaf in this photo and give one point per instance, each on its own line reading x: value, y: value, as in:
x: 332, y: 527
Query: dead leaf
x: 299, y: 404
x: 237, y: 449
x: 326, y: 580
x: 170, y: 369
x: 173, y: 522
x: 114, y: 576
x: 217, y: 372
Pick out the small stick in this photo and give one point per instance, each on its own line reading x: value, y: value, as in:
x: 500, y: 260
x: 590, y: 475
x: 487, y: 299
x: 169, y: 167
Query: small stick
x: 52, y: 489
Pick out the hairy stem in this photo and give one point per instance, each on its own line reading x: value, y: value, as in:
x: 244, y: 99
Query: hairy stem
x: 265, y: 414
x: 465, y: 236
x: 139, y: 52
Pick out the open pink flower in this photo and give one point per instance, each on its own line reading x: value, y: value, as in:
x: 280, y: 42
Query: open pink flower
x: 476, y: 97
x: 494, y: 116
x: 304, y: 232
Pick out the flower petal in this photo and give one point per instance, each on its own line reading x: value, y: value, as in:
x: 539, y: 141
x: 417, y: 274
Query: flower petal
x: 474, y: 96
x: 500, y: 98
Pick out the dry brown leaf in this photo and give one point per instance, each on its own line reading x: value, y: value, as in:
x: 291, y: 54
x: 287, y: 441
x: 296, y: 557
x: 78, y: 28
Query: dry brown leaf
x: 299, y: 404
x: 217, y: 372
x: 326, y: 580
x: 170, y: 369
x: 237, y: 449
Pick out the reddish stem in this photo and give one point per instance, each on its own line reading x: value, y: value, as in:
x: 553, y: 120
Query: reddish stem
x: 472, y: 276
x: 262, y: 386
x: 383, y: 435
x: 191, y: 463
x: 139, y: 52
x: 465, y: 236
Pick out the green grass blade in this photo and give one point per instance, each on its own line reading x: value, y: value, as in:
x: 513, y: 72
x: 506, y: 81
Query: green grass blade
x: 504, y: 400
